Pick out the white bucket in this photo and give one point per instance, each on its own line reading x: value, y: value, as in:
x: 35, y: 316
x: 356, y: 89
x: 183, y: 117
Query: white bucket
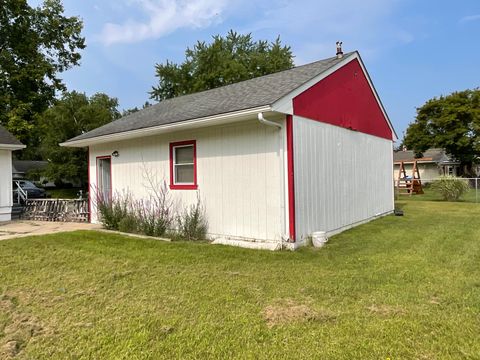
x: 319, y: 238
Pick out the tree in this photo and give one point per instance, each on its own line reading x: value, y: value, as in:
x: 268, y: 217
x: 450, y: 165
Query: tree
x: 74, y: 114
x: 224, y: 61
x: 126, y: 112
x: 36, y: 44
x: 451, y: 122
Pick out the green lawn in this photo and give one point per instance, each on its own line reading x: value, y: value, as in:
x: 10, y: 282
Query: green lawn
x: 71, y: 193
x: 399, y: 287
x: 472, y: 196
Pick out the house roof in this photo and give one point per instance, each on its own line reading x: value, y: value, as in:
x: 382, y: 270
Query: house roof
x: 8, y: 139
x: 434, y: 155
x: 24, y: 166
x: 249, y: 94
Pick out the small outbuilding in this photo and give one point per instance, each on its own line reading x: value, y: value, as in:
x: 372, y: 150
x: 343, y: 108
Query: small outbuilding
x: 273, y: 159
x: 8, y: 143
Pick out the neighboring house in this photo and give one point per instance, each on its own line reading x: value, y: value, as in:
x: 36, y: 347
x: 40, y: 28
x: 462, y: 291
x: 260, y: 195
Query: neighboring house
x: 434, y: 163
x: 21, y: 168
x: 321, y: 162
x: 8, y: 143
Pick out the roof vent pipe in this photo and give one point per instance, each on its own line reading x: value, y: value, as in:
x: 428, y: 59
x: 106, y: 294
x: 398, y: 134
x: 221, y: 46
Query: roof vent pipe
x: 339, y: 50
x: 267, y: 122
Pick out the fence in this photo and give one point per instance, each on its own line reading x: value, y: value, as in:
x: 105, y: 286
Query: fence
x: 472, y: 195
x: 56, y: 210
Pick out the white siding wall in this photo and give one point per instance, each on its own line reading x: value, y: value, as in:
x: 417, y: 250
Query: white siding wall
x: 5, y: 184
x: 239, y: 173
x: 342, y: 177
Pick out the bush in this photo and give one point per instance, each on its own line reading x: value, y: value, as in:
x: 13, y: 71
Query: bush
x: 450, y: 187
x: 192, y: 223
x: 113, y: 211
x: 150, y: 217
x: 153, y: 216
x: 128, y: 224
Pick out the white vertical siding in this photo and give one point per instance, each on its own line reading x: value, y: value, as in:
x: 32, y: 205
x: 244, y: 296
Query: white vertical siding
x: 239, y: 175
x: 342, y: 177
x: 5, y: 184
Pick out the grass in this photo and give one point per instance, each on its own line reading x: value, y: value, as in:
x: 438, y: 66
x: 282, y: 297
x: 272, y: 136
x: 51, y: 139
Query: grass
x: 71, y: 193
x: 399, y: 287
x: 430, y: 195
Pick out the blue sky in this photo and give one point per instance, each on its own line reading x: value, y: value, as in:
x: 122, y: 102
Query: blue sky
x: 413, y: 49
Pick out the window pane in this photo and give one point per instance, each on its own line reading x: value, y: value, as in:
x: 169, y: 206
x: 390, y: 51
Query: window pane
x: 184, y: 155
x: 184, y: 174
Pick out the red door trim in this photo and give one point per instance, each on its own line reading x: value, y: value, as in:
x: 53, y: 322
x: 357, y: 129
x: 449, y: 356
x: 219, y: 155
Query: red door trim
x: 89, y: 191
x: 291, y: 178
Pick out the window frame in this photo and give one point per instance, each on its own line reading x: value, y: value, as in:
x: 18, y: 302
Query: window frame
x: 183, y: 186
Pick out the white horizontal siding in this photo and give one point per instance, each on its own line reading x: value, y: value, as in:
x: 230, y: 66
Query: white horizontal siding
x: 239, y: 175
x: 342, y: 177
x: 5, y: 184
x: 427, y: 172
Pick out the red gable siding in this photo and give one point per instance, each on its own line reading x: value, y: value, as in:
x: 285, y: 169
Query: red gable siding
x: 344, y: 99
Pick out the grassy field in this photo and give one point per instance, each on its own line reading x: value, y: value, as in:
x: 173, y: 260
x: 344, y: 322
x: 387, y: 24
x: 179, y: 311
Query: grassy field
x: 399, y: 287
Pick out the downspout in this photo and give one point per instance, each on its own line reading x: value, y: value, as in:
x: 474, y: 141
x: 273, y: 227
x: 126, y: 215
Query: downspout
x: 266, y: 122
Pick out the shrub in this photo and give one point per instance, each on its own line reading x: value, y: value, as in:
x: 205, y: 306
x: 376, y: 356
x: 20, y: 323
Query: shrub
x: 450, y: 187
x: 153, y: 216
x: 150, y: 217
x: 128, y: 224
x: 113, y: 211
x: 192, y: 223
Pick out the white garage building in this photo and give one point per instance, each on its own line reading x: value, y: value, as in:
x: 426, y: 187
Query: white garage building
x: 274, y: 158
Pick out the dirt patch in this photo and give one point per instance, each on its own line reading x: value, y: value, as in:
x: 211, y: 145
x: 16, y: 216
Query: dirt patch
x: 386, y: 310
x: 289, y: 311
x: 434, y: 300
x: 19, y: 329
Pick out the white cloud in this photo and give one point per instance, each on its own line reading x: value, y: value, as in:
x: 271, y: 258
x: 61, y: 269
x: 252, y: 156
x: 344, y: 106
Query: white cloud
x: 163, y: 17
x: 470, y: 18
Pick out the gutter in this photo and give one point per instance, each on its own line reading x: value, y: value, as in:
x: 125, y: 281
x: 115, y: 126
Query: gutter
x: 12, y: 147
x: 181, y: 125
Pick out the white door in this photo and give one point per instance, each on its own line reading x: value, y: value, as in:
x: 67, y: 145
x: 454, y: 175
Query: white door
x: 104, y: 178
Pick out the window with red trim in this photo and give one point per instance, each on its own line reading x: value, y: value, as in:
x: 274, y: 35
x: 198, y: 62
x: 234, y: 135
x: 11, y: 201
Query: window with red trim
x: 183, y: 165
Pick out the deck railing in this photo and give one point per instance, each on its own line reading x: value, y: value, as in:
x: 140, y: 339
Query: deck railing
x: 56, y: 210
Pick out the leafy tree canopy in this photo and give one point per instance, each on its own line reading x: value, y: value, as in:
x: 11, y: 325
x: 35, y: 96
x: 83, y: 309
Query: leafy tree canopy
x: 74, y: 114
x: 36, y: 44
x: 224, y: 61
x: 126, y: 112
x: 451, y: 122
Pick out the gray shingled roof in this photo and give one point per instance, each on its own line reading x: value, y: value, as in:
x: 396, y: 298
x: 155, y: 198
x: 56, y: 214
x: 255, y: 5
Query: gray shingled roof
x: 6, y: 138
x: 261, y: 91
x: 434, y: 155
